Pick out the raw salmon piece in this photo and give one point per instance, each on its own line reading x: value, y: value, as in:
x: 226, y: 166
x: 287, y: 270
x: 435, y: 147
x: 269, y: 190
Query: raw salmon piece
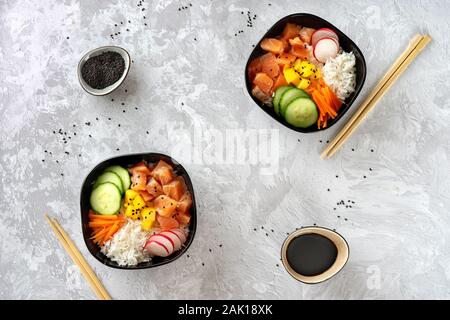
x: 286, y: 58
x: 254, y: 67
x: 167, y: 223
x: 184, y: 204
x: 183, y: 219
x: 154, y: 188
x: 146, y: 196
x: 272, y: 45
x: 290, y: 31
x: 163, y: 172
x: 279, y: 82
x: 261, y: 96
x: 306, y: 34
x: 300, y: 52
x: 175, y: 189
x: 165, y: 205
x: 296, y: 42
x: 140, y: 167
x: 264, y: 82
x: 269, y: 65
x: 138, y: 180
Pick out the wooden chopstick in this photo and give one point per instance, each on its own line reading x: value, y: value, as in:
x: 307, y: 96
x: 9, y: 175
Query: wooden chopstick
x: 416, y: 45
x: 76, y: 256
x: 413, y: 44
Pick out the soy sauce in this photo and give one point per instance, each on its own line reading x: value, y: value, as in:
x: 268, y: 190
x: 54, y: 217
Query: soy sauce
x: 311, y: 254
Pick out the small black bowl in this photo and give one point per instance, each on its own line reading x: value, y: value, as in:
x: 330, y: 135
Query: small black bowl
x: 312, y: 21
x: 126, y: 161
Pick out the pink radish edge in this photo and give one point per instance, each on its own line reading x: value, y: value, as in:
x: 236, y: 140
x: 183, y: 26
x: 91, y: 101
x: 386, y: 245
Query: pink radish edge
x: 168, y: 238
x: 158, y: 243
x: 323, y: 29
x: 327, y: 38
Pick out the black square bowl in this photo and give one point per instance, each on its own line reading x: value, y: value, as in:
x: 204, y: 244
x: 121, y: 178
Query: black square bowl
x: 127, y: 161
x: 311, y: 21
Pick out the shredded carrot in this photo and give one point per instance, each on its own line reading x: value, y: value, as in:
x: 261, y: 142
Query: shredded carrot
x: 326, y: 100
x: 104, y: 226
x: 104, y: 217
x: 111, y: 231
x: 94, y: 223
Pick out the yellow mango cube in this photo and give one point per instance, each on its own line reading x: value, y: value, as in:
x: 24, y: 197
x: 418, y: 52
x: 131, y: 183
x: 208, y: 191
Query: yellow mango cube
x: 138, y: 202
x: 132, y: 213
x: 304, y: 83
x: 291, y: 76
x: 129, y: 197
x: 148, y: 218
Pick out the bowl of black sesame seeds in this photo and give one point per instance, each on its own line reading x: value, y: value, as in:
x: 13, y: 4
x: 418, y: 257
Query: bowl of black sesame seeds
x: 103, y: 70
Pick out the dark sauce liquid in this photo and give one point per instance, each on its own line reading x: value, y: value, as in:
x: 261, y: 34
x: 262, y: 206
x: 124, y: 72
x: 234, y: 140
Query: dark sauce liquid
x: 311, y: 254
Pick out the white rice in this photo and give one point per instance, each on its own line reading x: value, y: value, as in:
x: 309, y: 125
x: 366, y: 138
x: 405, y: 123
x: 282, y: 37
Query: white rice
x: 340, y: 74
x: 126, y: 246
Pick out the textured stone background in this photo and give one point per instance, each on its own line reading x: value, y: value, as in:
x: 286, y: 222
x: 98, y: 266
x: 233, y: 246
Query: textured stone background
x: 188, y: 71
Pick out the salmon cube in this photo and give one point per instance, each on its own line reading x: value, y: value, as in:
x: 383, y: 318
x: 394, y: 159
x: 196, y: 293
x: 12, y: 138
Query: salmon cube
x: 167, y: 223
x: 154, y: 188
x: 140, y: 167
x: 264, y: 82
x: 175, y: 189
x: 272, y: 45
x: 184, y: 204
x: 163, y: 172
x: 269, y: 65
x: 138, y: 180
x: 146, y: 196
x: 183, y: 219
x: 165, y: 206
x: 291, y: 30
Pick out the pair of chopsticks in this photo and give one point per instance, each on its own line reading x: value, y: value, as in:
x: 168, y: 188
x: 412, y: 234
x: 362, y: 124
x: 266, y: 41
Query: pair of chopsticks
x: 417, y: 44
x: 76, y: 256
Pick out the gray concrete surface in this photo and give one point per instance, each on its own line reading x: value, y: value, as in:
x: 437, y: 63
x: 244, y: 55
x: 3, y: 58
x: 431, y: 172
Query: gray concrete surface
x: 186, y: 88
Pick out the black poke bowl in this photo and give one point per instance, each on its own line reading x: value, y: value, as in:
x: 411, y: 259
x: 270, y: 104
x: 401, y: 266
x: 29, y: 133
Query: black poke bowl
x: 312, y: 21
x: 127, y: 161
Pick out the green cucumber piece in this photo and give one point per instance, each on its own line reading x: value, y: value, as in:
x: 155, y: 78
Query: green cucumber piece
x: 302, y: 113
x: 276, y: 99
x: 106, y: 199
x: 123, y: 175
x: 290, y: 96
x: 109, y: 177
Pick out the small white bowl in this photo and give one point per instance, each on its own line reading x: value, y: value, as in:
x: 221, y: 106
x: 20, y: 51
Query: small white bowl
x: 101, y: 92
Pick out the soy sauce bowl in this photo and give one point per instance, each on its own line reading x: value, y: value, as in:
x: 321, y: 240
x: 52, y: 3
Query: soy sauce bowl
x: 126, y: 161
x: 312, y: 21
x: 342, y: 256
x: 98, y: 51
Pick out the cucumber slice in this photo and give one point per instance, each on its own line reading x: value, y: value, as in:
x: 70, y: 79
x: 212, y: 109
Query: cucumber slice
x: 123, y: 175
x: 276, y: 99
x: 106, y: 199
x: 109, y: 177
x: 290, y: 96
x: 302, y: 113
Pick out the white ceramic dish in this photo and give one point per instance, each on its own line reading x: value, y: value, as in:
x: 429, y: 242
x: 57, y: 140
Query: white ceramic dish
x: 101, y: 92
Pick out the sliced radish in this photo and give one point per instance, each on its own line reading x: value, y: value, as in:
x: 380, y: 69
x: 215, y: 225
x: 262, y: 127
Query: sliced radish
x: 160, y: 245
x: 322, y: 34
x: 325, y: 49
x: 175, y: 239
x: 156, y: 248
x: 181, y: 234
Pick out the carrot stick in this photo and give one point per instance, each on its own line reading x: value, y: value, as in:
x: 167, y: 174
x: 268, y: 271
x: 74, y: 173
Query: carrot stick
x: 94, y: 224
x: 104, y: 217
x: 111, y: 231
